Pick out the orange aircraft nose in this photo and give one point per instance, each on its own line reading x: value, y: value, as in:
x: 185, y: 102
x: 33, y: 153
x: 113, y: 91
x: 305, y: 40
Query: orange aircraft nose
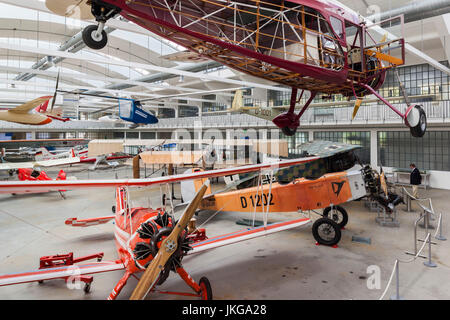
x: 48, y: 120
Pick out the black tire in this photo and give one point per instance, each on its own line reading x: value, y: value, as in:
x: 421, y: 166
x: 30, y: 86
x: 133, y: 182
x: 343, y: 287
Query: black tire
x: 288, y: 131
x: 206, y: 292
x: 419, y: 130
x: 326, y: 227
x: 113, y: 209
x: 90, y: 41
x: 338, y: 215
x: 87, y: 288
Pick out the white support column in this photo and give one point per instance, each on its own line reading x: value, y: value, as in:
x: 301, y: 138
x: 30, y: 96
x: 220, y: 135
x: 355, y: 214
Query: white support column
x: 374, y: 148
x: 443, y: 28
x: 310, y: 135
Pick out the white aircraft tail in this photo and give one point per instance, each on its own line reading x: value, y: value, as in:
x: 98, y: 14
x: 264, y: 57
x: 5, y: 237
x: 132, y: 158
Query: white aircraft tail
x: 189, y: 188
x: 238, y: 101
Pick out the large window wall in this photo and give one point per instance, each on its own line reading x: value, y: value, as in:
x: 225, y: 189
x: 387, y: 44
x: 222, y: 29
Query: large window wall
x: 419, y: 80
x: 361, y: 138
x: 294, y: 141
x: 398, y: 149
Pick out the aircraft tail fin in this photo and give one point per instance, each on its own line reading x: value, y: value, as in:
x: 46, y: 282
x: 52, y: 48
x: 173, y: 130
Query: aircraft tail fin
x: 42, y: 107
x: 43, y: 154
x: 189, y: 188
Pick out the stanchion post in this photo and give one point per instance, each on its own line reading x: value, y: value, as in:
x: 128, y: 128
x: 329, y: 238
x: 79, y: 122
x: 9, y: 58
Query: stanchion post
x: 440, y: 236
x: 429, y: 263
x: 397, y: 283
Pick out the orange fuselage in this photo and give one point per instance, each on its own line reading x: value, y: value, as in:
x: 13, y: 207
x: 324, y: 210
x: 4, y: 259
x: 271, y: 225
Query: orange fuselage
x: 301, y: 194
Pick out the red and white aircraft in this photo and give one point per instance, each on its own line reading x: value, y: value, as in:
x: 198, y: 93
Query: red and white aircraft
x: 148, y: 240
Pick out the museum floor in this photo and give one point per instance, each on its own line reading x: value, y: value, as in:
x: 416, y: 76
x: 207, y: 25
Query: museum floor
x: 285, y: 265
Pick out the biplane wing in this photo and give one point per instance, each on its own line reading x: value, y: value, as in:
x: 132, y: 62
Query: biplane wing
x: 60, y: 272
x: 21, y: 186
x: 246, y: 234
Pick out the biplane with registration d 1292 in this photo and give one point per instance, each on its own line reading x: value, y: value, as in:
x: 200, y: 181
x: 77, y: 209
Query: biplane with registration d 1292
x: 309, y: 45
x: 149, y: 241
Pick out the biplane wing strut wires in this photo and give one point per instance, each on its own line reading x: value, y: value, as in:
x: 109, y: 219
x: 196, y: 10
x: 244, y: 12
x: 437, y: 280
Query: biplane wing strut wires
x: 147, y: 239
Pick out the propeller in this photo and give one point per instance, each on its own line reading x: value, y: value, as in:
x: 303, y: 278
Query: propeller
x: 358, y: 100
x: 356, y: 107
x: 168, y: 247
x: 56, y: 92
x: 383, y: 182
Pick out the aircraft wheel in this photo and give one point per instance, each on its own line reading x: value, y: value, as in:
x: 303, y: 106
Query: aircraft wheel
x: 113, y: 209
x: 87, y: 288
x: 205, y: 289
x: 337, y: 214
x: 326, y: 231
x: 288, y: 131
x: 417, y: 121
x: 91, y: 40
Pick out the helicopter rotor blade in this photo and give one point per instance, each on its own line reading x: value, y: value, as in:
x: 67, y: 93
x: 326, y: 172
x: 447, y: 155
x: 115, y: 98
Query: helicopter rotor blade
x: 56, y: 92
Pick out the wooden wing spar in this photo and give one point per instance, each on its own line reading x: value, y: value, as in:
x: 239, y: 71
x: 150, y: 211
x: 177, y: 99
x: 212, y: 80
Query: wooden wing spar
x: 21, y: 186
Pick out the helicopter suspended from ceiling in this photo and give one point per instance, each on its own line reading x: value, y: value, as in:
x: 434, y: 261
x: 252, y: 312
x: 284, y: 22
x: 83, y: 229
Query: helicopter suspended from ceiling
x: 308, y: 45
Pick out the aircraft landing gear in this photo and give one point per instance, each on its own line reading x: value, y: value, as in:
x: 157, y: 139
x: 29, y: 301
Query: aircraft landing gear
x: 326, y: 232
x: 337, y: 214
x: 288, y: 122
x: 95, y: 37
x: 289, y: 131
x: 416, y: 120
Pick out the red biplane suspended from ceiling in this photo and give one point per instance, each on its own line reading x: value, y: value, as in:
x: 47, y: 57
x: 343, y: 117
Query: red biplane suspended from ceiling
x: 311, y: 45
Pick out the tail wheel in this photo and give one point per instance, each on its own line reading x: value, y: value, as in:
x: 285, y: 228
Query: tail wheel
x: 416, y: 119
x: 92, y: 39
x: 87, y: 288
x: 205, y: 289
x: 326, y: 232
x: 337, y: 214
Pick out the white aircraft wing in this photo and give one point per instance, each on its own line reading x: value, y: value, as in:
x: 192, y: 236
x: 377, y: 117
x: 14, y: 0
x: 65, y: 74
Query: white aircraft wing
x: 60, y: 272
x: 34, y: 164
x: 21, y: 186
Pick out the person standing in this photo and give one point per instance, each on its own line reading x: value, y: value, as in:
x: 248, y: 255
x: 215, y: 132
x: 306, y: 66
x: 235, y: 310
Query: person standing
x: 415, y: 180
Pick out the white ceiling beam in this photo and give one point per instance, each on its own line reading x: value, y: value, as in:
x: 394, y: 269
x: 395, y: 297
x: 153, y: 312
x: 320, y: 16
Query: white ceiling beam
x: 118, y: 92
x: 106, y: 61
x: 443, y: 27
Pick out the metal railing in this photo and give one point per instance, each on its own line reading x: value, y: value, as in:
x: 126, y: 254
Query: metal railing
x: 373, y: 114
x: 426, y: 216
